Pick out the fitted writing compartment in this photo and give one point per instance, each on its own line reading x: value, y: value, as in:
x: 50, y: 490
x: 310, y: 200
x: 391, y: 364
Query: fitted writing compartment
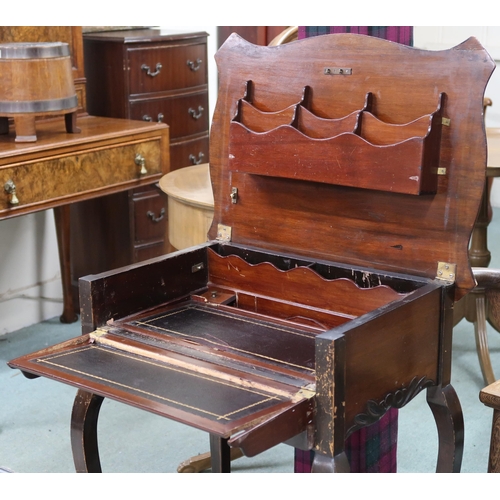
x: 230, y: 354
x: 357, y: 150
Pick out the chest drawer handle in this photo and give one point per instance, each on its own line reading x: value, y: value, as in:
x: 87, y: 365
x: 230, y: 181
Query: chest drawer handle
x: 141, y: 161
x: 194, y: 161
x: 196, y: 114
x: 194, y: 66
x: 147, y: 118
x: 10, y: 188
x: 148, y: 71
x: 151, y: 215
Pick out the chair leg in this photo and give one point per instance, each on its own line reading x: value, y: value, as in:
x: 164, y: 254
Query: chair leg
x: 220, y: 453
x: 448, y: 415
x: 84, y: 432
x: 490, y: 396
x: 481, y: 335
x: 494, y: 457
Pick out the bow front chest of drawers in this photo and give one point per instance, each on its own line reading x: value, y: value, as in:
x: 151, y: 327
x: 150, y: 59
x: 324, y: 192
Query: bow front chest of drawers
x: 347, y: 173
x: 151, y: 75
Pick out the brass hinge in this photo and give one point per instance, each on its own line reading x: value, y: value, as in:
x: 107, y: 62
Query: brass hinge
x: 223, y: 233
x: 446, y: 271
x: 98, y: 333
x: 306, y: 392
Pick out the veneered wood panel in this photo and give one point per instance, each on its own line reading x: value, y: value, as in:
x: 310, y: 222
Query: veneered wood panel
x: 357, y: 226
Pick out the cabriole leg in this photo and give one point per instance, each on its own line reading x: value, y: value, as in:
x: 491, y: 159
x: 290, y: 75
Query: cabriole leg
x: 448, y: 415
x: 84, y: 432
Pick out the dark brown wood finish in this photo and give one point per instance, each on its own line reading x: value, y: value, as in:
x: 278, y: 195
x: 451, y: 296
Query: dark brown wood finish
x: 84, y: 432
x: 315, y: 311
x: 397, y: 232
x: 135, y: 227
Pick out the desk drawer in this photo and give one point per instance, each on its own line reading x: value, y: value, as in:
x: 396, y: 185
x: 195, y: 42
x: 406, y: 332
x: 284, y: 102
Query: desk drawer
x: 150, y: 217
x: 188, y: 153
x: 185, y: 115
x: 66, y: 175
x: 177, y: 67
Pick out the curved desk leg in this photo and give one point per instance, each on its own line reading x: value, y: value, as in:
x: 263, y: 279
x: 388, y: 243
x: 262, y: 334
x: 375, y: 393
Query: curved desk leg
x: 84, y: 432
x: 448, y: 415
x: 483, y: 351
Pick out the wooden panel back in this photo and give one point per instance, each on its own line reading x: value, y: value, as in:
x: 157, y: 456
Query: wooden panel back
x: 385, y: 230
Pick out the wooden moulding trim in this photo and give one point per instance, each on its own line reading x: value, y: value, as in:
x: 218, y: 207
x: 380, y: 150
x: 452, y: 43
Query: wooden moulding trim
x: 236, y: 273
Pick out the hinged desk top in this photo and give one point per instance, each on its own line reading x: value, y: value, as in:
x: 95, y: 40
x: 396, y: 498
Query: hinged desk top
x: 320, y: 149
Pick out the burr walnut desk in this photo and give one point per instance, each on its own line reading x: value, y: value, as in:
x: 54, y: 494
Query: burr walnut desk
x: 60, y: 168
x: 347, y: 173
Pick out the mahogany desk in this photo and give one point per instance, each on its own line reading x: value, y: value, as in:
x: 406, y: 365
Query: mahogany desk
x: 107, y: 156
x: 347, y: 173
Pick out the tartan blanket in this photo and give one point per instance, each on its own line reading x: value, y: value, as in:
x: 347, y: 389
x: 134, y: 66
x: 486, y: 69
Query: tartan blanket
x: 400, y: 34
x: 372, y: 448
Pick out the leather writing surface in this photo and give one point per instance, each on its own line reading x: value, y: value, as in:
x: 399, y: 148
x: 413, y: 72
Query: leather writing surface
x: 201, y: 395
x: 276, y: 344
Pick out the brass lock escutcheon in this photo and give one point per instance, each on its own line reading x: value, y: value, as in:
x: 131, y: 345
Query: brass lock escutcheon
x: 10, y: 188
x: 141, y: 161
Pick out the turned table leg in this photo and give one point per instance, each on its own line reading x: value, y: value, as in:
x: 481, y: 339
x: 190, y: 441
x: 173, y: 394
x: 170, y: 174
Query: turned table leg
x: 84, y: 432
x: 448, y: 415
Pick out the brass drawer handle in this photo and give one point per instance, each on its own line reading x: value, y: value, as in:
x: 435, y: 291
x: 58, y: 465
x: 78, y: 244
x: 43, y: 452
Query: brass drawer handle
x: 194, y: 161
x: 10, y: 188
x: 141, y: 161
x: 151, y: 215
x: 148, y: 71
x: 196, y: 114
x: 147, y: 118
x: 194, y: 66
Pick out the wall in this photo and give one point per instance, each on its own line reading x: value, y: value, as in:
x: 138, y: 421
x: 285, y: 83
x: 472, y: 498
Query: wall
x: 30, y: 285
x: 443, y: 37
